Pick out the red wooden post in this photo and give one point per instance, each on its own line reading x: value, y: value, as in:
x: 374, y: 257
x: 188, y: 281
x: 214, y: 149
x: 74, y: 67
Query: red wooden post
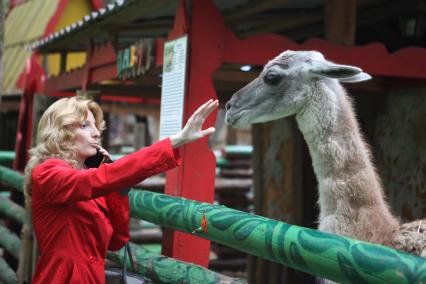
x: 195, y: 178
x: 87, y: 67
x: 33, y: 81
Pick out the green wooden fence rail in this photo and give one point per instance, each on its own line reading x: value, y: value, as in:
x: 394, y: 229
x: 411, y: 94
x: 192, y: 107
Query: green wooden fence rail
x: 9, y: 241
x: 162, y: 269
x: 11, y: 178
x: 7, y: 275
x: 12, y: 210
x: 326, y: 255
x: 6, y: 158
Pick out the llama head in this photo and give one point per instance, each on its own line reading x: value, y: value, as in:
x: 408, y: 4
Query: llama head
x: 284, y: 86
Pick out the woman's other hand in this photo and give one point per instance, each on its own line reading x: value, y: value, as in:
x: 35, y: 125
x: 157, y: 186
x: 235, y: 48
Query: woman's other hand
x: 193, y: 128
x: 103, y: 152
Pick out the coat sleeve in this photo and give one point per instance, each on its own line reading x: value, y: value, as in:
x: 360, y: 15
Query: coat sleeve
x: 59, y: 183
x: 118, y: 205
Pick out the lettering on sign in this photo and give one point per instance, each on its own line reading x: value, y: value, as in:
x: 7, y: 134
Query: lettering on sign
x: 136, y: 59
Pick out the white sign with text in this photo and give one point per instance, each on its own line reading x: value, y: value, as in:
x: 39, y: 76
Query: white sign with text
x: 173, y: 86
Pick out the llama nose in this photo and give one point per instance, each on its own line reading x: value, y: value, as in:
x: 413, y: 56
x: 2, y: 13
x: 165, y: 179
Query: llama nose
x: 229, y: 120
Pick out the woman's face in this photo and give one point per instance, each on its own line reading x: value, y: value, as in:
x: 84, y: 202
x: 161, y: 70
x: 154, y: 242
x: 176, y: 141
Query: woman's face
x: 86, y: 138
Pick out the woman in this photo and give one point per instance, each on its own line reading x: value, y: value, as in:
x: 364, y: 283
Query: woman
x: 79, y: 213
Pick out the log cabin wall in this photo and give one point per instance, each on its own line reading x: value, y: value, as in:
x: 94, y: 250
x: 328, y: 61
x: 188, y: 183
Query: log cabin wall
x: 398, y: 140
x: 280, y: 193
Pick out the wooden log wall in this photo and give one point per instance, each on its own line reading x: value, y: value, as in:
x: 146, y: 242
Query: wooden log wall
x: 278, y: 172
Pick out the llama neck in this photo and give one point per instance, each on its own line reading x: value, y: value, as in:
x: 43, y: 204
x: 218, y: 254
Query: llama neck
x: 345, y: 174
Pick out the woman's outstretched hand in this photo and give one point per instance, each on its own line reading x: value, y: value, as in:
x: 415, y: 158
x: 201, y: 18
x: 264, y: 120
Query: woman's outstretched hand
x: 193, y: 128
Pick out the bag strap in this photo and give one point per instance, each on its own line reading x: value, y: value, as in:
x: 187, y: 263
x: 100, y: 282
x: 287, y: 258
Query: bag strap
x: 127, y: 252
x: 132, y: 260
x: 124, y: 274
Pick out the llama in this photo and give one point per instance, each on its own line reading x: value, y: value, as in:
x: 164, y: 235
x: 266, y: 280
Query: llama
x: 351, y: 202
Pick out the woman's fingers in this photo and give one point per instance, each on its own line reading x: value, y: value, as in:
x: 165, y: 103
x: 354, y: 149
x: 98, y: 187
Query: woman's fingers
x: 210, y: 108
x: 201, y: 108
x: 208, y: 131
x: 205, y: 110
x: 103, y: 152
x: 193, y: 127
x: 199, y: 116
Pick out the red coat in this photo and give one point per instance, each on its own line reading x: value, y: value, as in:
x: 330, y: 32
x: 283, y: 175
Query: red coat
x: 78, y: 214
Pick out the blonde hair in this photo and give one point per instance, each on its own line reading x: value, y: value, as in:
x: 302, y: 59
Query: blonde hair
x: 55, y: 136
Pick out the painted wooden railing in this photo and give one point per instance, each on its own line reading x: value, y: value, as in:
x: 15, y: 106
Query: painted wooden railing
x: 325, y: 255
x: 162, y: 269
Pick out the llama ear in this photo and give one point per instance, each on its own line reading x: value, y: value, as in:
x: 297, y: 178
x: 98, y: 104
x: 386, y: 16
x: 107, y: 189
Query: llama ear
x: 357, y: 78
x: 334, y: 71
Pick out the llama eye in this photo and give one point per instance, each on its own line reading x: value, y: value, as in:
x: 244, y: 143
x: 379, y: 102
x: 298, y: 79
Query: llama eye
x: 272, y: 78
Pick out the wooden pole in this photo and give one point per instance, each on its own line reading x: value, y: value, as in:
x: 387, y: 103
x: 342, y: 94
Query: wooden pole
x: 278, y: 191
x: 199, y: 164
x: 340, y: 21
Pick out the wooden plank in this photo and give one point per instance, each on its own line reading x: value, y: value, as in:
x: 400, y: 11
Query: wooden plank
x: 157, y: 25
x: 252, y: 8
x: 278, y: 191
x: 66, y: 81
x: 278, y: 25
x: 151, y: 92
x: 340, y: 21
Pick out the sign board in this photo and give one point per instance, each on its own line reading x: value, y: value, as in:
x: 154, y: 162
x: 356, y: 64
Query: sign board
x: 135, y: 60
x: 173, y: 86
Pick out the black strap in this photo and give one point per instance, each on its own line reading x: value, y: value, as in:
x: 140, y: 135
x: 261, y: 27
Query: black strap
x: 127, y: 251
x: 132, y: 260
x: 124, y: 275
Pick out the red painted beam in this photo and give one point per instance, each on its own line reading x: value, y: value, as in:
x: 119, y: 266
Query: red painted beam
x: 73, y: 79
x: 103, y: 54
x: 65, y: 81
x: 105, y: 72
x: 372, y: 58
x: 101, y: 64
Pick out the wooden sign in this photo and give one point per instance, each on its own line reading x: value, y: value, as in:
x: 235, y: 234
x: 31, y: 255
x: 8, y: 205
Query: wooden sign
x: 136, y: 59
